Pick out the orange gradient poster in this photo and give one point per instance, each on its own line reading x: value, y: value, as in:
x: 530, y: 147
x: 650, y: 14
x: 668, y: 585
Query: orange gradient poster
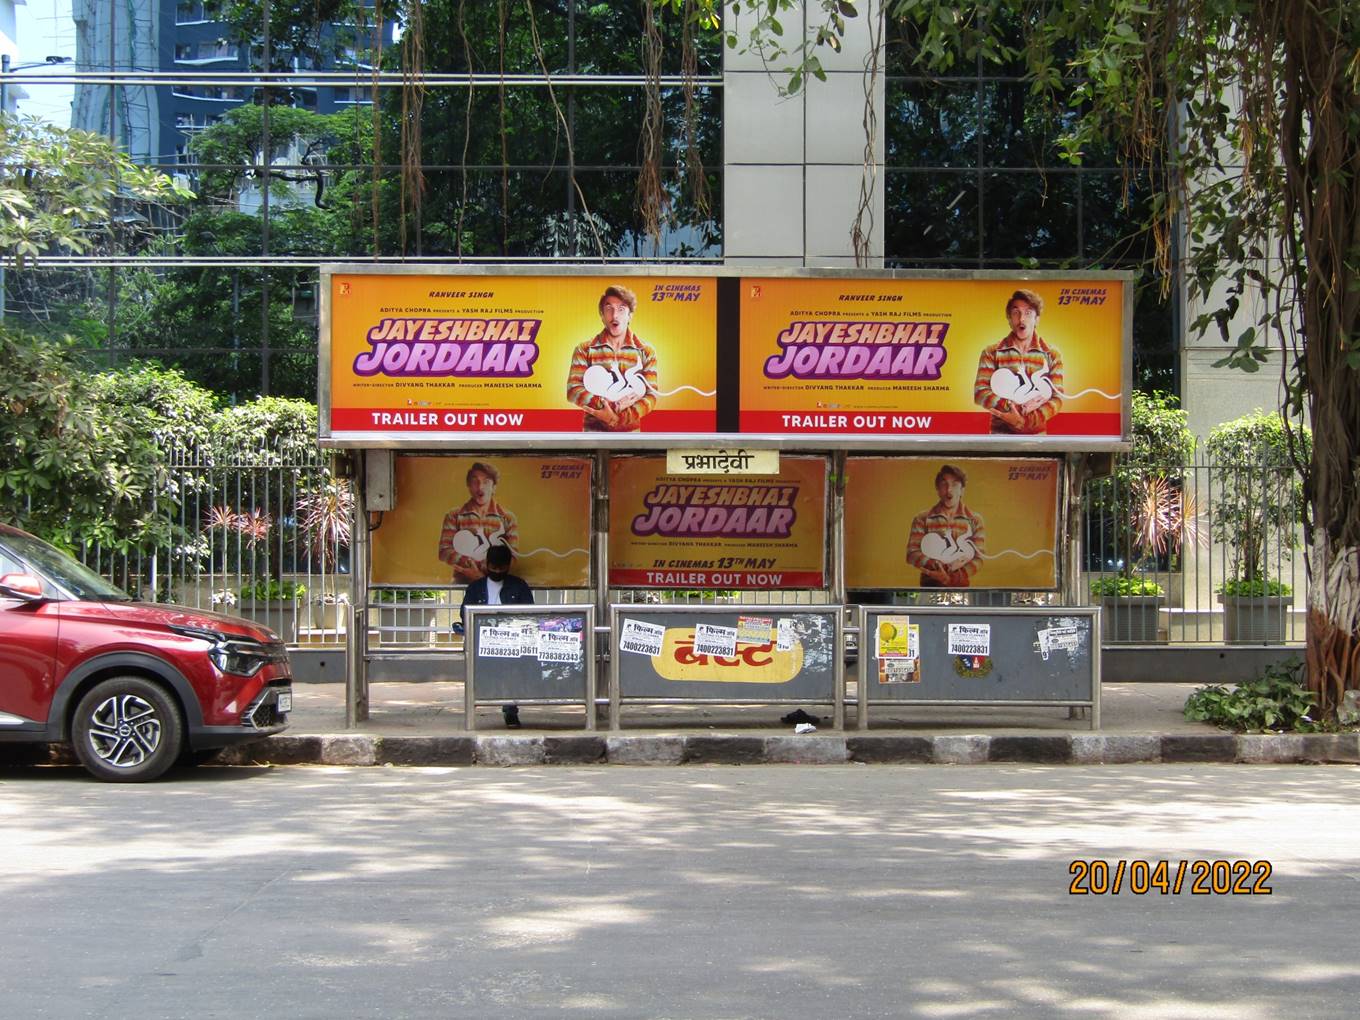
x: 451, y: 356
x: 724, y: 531
x: 933, y: 357
x: 451, y: 510
x: 952, y: 522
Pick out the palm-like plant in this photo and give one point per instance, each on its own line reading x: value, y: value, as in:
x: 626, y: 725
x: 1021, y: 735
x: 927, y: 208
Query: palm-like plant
x: 325, y: 518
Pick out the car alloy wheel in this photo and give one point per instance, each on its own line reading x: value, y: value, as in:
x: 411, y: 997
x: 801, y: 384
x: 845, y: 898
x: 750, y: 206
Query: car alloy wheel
x: 127, y: 730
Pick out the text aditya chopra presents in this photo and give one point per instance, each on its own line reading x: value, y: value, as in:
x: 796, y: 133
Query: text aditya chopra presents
x: 932, y: 357
x: 424, y: 356
x: 740, y: 531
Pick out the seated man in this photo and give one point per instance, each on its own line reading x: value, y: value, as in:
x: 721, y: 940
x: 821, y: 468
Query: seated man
x: 498, y: 588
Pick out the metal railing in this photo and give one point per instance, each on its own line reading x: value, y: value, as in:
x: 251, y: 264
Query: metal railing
x: 263, y: 532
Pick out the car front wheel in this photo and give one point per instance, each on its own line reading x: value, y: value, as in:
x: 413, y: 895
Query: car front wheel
x: 127, y: 730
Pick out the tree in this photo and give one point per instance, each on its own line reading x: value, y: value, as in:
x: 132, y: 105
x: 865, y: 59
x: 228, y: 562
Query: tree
x: 59, y: 186
x: 1244, y: 117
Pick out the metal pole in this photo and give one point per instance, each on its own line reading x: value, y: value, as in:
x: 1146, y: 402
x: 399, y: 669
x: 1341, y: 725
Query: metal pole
x: 356, y: 643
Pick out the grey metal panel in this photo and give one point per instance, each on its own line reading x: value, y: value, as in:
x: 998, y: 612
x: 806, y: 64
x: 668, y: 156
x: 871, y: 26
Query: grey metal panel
x: 525, y: 678
x: 1017, y: 670
x: 817, y: 634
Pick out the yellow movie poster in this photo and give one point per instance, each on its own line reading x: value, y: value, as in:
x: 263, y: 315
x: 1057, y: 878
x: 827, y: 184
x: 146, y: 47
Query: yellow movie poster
x: 952, y: 522
x: 730, y: 531
x: 453, y: 356
x: 451, y: 510
x: 934, y: 357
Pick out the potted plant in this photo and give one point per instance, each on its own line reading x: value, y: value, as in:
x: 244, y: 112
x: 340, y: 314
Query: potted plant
x: 1146, y: 510
x: 274, y: 604
x: 1131, y: 608
x: 1258, y: 503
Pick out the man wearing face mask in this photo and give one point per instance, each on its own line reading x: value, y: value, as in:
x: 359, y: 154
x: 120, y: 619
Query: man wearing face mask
x: 498, y: 588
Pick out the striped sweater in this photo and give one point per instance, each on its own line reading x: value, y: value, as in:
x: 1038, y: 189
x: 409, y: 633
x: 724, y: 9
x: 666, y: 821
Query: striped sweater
x: 632, y: 353
x: 1007, y: 354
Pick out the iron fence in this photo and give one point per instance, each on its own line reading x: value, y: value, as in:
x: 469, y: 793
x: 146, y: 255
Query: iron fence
x: 264, y: 532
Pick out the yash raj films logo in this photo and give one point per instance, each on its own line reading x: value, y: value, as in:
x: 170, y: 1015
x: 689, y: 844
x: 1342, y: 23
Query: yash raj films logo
x: 468, y: 347
x: 725, y: 511
x: 832, y: 349
x: 752, y: 664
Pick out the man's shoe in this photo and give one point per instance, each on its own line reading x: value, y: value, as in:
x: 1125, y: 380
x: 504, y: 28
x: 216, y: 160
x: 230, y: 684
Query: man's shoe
x: 510, y: 713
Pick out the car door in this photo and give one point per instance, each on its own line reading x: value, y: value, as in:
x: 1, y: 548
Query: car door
x: 28, y: 655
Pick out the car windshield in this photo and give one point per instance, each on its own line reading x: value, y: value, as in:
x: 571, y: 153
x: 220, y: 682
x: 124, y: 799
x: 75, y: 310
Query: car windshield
x: 59, y: 569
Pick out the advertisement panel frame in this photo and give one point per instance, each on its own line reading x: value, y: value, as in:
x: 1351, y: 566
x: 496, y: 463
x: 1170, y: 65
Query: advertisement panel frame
x: 868, y: 656
x: 565, y: 441
x: 618, y: 697
x: 590, y: 680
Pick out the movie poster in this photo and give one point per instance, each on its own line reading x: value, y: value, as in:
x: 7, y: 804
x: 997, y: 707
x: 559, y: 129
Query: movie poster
x: 933, y: 357
x: 952, y: 522
x: 440, y: 356
x: 724, y: 532
x: 451, y: 510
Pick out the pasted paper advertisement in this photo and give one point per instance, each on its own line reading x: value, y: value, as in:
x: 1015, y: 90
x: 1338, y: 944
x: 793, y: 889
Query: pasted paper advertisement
x: 451, y: 510
x: 932, y: 357
x: 425, y: 356
x: 709, y: 653
x: 738, y: 531
x: 958, y: 522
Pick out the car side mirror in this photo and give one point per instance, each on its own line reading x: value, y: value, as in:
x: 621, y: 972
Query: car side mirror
x: 22, y: 586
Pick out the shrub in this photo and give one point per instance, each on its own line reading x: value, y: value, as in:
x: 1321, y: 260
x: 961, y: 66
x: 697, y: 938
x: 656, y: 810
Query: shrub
x: 1119, y: 586
x: 1274, y: 701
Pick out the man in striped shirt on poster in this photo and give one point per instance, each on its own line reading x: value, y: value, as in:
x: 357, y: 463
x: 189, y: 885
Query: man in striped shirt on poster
x: 480, y: 523
x: 613, y: 375
x: 946, y: 540
x: 1020, y: 379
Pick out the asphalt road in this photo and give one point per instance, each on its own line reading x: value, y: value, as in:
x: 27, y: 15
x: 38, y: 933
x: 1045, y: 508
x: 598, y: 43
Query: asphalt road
x: 855, y: 891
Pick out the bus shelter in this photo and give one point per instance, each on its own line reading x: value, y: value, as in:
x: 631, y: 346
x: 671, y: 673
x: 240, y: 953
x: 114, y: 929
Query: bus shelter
x: 626, y: 431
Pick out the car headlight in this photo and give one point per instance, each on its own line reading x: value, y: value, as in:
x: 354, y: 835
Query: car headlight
x: 231, y: 653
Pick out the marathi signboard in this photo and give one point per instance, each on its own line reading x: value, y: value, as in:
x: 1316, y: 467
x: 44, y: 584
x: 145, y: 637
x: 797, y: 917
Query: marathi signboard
x: 957, y: 522
x: 932, y: 357
x: 421, y: 356
x: 736, y: 532
x: 451, y: 510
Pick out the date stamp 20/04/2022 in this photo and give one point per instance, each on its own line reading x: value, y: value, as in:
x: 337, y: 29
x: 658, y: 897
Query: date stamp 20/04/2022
x: 1199, y: 877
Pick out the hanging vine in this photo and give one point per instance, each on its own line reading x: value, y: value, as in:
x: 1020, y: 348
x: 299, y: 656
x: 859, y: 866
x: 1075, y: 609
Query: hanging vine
x: 653, y: 201
x: 693, y: 172
x: 412, y: 111
x: 467, y: 130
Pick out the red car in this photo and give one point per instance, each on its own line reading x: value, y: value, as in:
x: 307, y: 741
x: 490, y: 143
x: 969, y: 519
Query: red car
x: 134, y: 686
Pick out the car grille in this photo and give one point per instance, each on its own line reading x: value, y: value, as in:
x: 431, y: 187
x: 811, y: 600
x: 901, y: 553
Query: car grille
x: 263, y: 713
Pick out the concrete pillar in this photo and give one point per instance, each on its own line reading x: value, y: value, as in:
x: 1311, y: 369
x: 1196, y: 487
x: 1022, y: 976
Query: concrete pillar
x: 794, y: 165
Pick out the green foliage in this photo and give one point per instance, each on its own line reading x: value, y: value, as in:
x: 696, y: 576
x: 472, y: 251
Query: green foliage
x: 282, y: 428
x: 1275, y: 701
x: 73, y: 468
x: 1256, y: 588
x: 58, y: 188
x: 1119, y: 586
x: 168, y: 407
x: 401, y: 596
x: 1144, y: 498
x: 1259, y: 501
x: 271, y: 590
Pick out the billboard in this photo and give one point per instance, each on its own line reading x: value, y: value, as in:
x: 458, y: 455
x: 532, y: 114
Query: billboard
x: 952, y: 522
x: 875, y: 357
x: 572, y: 358
x: 451, y: 510
x: 732, y: 532
x: 428, y: 356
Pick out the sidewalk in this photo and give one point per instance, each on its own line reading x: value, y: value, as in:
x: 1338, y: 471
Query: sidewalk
x: 421, y: 723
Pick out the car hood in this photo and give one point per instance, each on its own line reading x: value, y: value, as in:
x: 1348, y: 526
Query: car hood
x: 165, y: 615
